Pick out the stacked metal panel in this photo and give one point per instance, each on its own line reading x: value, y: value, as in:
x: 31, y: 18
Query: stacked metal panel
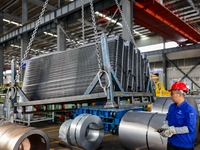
x: 69, y: 73
x: 116, y: 60
x: 124, y: 68
x: 135, y: 69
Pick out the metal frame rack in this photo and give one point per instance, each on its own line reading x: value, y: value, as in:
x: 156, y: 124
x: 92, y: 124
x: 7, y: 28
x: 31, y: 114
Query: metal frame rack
x: 112, y: 97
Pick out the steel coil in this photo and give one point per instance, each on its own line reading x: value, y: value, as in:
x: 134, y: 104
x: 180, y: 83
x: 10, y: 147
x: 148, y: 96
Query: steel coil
x: 137, y: 131
x: 161, y: 104
x: 1, y: 109
x: 64, y: 131
x: 85, y: 131
x: 17, y: 137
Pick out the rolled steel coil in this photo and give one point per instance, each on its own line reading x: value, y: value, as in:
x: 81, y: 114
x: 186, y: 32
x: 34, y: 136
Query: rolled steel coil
x: 197, y: 99
x: 1, y: 109
x: 85, y: 131
x: 17, y: 137
x: 161, y: 105
x: 137, y: 131
x: 64, y: 131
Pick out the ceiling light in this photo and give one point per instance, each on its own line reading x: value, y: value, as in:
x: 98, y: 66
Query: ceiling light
x: 12, y: 22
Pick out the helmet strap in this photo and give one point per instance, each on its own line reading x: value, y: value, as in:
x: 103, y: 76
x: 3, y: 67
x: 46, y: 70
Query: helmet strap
x: 182, y: 92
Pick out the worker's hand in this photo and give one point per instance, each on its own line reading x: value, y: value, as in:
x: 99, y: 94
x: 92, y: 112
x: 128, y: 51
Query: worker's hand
x: 168, y: 132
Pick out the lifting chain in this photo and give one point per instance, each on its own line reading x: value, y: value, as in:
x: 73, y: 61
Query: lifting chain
x: 96, y: 36
x: 101, y: 69
x: 31, y: 40
x: 83, y: 27
x: 125, y: 22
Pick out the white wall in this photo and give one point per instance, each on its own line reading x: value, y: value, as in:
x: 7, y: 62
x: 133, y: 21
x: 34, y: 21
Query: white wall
x: 176, y: 55
x: 173, y: 73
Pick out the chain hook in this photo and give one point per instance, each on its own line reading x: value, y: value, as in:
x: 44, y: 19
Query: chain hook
x: 99, y: 78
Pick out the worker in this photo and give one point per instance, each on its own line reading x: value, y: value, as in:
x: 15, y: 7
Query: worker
x: 180, y: 124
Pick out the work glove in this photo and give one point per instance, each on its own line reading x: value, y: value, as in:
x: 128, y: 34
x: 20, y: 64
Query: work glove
x: 165, y: 125
x: 168, y: 131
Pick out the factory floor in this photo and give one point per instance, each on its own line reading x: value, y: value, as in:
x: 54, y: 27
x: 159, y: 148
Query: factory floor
x: 110, y: 142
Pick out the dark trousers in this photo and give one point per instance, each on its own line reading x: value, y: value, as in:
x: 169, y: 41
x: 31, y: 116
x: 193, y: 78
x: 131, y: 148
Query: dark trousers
x: 171, y: 147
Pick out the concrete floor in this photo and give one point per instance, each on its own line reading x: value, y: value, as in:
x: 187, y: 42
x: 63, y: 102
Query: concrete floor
x: 110, y: 142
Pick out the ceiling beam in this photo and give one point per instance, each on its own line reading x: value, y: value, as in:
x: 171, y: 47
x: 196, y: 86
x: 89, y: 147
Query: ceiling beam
x: 7, y: 5
x: 41, y: 3
x: 46, y: 41
x: 90, y: 24
x: 13, y: 17
x: 71, y: 10
x: 193, y: 6
x: 171, y: 50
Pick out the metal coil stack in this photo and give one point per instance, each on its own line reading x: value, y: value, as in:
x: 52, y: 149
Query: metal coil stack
x: 85, y: 131
x: 69, y: 73
x: 17, y: 137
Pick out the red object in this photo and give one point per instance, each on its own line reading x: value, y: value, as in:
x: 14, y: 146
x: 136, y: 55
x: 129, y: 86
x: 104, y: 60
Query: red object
x: 179, y: 86
x: 62, y: 118
x: 63, y: 106
x: 102, y: 19
x: 37, y: 107
x: 68, y: 114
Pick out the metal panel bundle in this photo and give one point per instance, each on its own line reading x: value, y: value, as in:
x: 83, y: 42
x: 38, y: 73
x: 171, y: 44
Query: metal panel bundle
x: 135, y: 69
x: 69, y: 73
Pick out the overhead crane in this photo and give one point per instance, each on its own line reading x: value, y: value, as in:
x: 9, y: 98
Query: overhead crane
x: 158, y: 18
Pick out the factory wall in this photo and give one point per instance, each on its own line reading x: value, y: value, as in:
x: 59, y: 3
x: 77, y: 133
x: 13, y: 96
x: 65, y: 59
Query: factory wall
x: 174, y: 75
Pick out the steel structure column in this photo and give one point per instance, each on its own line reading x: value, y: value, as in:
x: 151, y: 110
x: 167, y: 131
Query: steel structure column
x: 61, y: 38
x: 61, y: 3
x: 1, y: 62
x: 127, y: 9
x: 1, y: 52
x: 164, y: 71
x: 24, y: 38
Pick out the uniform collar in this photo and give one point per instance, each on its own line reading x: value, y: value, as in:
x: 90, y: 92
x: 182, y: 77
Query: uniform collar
x: 182, y: 104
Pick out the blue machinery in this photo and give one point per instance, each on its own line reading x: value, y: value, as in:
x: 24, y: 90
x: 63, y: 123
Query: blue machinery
x: 111, y: 117
x: 114, y: 92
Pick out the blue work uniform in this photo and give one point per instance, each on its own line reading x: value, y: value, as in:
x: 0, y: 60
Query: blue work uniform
x: 179, y: 116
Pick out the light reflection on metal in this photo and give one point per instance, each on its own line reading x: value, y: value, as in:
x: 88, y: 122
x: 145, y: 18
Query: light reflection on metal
x: 17, y: 137
x: 137, y: 131
x: 85, y: 131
